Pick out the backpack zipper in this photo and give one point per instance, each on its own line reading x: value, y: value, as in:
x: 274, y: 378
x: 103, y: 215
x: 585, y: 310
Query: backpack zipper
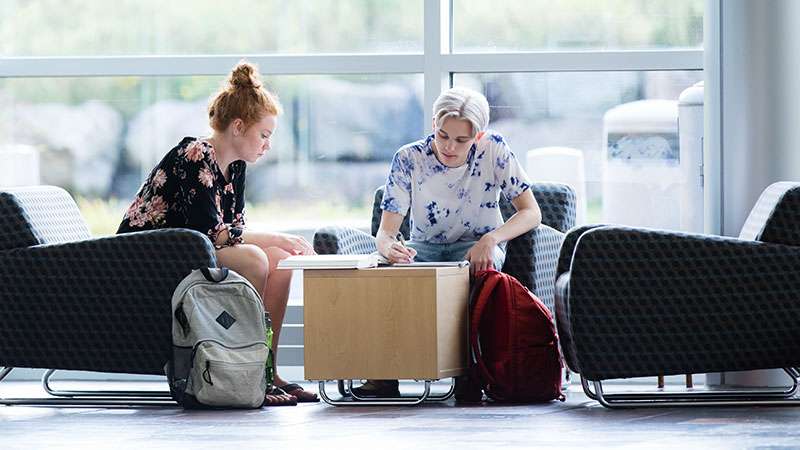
x: 205, y: 282
x: 197, y: 346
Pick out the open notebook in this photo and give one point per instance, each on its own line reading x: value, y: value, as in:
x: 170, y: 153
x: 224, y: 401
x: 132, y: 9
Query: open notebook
x: 352, y: 262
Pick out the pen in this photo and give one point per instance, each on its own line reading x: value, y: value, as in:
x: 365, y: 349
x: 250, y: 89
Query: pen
x: 402, y: 242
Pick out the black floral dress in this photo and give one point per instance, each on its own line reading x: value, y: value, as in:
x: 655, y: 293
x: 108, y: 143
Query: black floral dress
x: 187, y: 189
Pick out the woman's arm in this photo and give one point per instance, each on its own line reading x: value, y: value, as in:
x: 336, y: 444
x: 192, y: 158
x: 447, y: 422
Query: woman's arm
x: 203, y: 215
x: 386, y: 239
x: 295, y: 245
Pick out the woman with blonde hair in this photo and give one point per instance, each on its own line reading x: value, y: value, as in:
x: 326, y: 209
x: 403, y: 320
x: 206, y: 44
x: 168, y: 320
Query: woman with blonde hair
x: 200, y: 184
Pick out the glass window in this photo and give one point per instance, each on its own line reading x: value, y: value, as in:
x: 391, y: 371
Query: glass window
x: 612, y: 135
x: 178, y: 27
x: 100, y: 137
x: 529, y: 25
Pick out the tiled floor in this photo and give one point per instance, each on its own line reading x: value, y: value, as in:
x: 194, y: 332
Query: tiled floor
x: 577, y: 423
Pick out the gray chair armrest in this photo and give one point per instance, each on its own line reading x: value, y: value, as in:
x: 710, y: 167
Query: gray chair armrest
x: 564, y: 322
x: 531, y: 258
x: 36, y: 215
x: 546, y: 244
x: 646, y: 302
x: 97, y: 304
x: 343, y: 241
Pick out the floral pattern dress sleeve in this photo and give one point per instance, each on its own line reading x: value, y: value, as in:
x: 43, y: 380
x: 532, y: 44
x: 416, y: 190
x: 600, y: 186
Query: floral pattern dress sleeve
x: 205, y: 208
x: 188, y: 190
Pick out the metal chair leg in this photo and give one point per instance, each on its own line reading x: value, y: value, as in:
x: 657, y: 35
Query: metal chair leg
x: 587, y: 389
x: 88, y: 398
x: 766, y: 397
x: 122, y: 394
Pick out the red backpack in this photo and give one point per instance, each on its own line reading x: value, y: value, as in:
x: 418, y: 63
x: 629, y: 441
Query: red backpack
x: 513, y: 341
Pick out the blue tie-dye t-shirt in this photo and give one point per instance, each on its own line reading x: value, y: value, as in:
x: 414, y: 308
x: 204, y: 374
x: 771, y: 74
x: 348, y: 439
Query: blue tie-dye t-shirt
x: 453, y: 204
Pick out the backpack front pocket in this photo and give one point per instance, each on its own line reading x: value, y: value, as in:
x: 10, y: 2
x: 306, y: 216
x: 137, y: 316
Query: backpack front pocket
x: 231, y: 377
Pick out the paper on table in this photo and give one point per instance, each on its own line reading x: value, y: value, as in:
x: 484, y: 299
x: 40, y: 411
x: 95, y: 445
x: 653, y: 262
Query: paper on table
x: 329, y: 262
x: 382, y: 261
x: 354, y: 262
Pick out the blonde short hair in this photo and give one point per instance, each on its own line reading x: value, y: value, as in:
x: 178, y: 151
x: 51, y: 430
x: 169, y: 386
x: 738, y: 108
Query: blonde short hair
x: 462, y: 103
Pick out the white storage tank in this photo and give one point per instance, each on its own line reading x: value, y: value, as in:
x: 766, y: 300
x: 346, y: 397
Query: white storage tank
x: 642, y: 165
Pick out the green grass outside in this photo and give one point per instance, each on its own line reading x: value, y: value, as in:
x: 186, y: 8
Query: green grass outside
x: 104, y: 216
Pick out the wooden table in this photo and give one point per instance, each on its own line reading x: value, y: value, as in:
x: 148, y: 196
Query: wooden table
x: 385, y: 323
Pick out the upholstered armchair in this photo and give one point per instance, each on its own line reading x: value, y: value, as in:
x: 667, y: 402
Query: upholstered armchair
x: 70, y: 301
x: 531, y: 257
x: 636, y: 302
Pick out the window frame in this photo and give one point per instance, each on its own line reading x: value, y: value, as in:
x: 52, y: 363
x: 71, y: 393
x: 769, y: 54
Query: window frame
x: 437, y: 63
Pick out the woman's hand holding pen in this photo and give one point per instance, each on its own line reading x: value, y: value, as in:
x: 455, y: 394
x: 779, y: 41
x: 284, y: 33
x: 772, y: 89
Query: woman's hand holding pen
x: 395, y: 250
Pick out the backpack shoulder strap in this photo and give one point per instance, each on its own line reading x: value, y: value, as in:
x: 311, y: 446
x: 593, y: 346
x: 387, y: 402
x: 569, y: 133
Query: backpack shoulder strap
x: 486, y: 282
x: 215, y: 275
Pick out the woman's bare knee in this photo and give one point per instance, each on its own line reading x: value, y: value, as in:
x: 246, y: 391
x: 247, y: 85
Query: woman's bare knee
x: 258, y: 257
x: 250, y: 261
x: 275, y: 255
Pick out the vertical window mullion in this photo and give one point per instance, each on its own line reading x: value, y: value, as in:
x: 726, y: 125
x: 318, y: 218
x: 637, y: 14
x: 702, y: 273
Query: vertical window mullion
x: 438, y: 38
